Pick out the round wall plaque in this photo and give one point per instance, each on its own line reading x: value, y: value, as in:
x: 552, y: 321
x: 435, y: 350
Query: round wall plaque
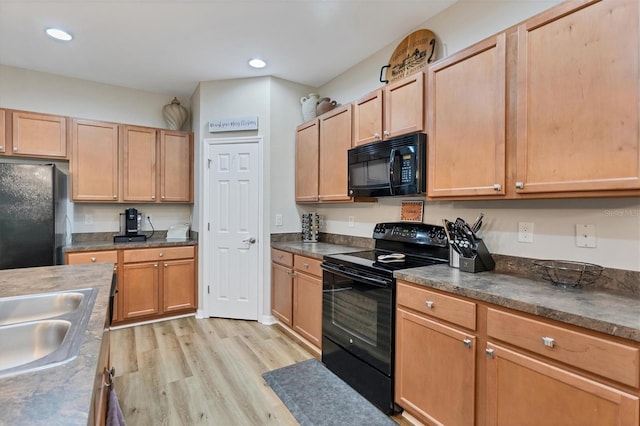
x: 414, y: 52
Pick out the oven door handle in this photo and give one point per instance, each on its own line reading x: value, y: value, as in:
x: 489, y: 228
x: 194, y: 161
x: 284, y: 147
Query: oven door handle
x: 378, y: 282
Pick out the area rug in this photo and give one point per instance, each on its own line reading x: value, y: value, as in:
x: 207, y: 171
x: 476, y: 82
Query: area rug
x: 317, y: 397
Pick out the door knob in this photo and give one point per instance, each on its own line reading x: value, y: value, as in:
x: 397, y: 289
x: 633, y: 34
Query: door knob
x: 250, y: 240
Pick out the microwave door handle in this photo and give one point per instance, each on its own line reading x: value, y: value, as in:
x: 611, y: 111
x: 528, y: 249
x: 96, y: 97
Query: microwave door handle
x: 392, y: 163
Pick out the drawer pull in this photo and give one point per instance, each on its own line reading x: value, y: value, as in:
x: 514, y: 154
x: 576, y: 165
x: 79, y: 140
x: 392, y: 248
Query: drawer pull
x: 489, y: 353
x: 161, y: 254
x: 306, y: 266
x: 166, y: 264
x: 548, y: 341
x: 429, y: 304
x: 497, y: 187
x: 467, y: 343
x: 155, y: 265
x: 93, y: 259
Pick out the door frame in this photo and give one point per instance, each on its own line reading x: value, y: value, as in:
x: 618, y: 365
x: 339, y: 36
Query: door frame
x: 203, y: 239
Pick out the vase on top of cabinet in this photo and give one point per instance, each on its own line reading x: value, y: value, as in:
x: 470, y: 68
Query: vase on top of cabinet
x: 309, y: 104
x: 324, y: 105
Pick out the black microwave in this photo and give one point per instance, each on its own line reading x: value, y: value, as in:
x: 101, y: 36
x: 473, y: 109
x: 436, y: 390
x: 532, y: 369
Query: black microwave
x: 391, y: 167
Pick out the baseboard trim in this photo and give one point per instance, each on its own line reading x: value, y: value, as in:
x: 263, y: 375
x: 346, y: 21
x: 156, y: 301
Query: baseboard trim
x: 133, y: 324
x: 307, y: 345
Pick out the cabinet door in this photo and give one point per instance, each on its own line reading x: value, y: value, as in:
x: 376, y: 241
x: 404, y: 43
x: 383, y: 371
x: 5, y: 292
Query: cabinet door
x: 467, y: 123
x: 367, y: 118
x: 39, y: 135
x: 307, y: 307
x: 176, y: 158
x: 404, y: 106
x: 335, y: 140
x: 139, y: 288
x: 282, y: 293
x: 435, y: 371
x: 94, y: 161
x: 307, y: 156
x: 579, y: 98
x: 140, y: 163
x: 524, y: 391
x: 178, y: 285
x: 3, y: 131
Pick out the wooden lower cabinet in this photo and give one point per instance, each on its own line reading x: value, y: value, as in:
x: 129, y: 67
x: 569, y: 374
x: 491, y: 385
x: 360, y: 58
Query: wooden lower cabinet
x: 435, y: 369
x: 507, y: 368
x: 296, y: 294
x: 157, y: 282
x: 522, y: 390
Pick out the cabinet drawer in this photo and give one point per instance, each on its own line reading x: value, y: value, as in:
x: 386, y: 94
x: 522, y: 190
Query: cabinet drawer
x: 307, y: 265
x: 609, y: 359
x: 92, y: 257
x: 451, y: 309
x: 282, y: 257
x: 158, y: 253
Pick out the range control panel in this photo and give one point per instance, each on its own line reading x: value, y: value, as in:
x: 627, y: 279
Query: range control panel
x: 414, y: 233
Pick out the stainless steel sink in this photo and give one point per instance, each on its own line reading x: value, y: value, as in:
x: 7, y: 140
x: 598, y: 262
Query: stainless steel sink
x: 34, y: 307
x: 43, y: 330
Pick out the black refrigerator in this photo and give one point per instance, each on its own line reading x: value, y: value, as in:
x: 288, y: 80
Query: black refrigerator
x: 33, y: 215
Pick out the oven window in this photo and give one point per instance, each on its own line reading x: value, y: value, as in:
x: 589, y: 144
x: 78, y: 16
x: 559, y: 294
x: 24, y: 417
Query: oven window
x: 373, y: 172
x: 357, y: 314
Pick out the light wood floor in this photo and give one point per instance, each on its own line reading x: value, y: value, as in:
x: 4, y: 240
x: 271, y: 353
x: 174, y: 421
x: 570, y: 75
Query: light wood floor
x: 191, y: 371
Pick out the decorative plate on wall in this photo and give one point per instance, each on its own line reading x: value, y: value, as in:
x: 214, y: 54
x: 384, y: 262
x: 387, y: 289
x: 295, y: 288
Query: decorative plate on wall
x: 414, y: 52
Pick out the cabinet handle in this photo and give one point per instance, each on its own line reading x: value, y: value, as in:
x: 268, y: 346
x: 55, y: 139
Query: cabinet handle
x: 110, y: 374
x: 115, y: 197
x: 429, y: 304
x: 93, y: 259
x: 155, y: 265
x: 15, y: 149
x: 161, y: 254
x: 497, y: 187
x: 166, y: 264
x: 162, y: 197
x: 519, y: 185
x: 153, y: 197
x: 467, y: 343
x: 549, y: 342
x: 386, y: 133
x: 1, y: 147
x: 489, y: 353
x: 376, y: 135
x: 306, y: 266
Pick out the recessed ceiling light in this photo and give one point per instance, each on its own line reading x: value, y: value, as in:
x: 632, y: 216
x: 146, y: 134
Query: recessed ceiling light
x: 257, y: 63
x: 58, y: 34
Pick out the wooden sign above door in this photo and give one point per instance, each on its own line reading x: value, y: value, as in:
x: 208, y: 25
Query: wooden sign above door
x: 414, y: 52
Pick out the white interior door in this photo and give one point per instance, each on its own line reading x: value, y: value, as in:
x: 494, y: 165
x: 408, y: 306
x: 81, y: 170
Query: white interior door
x: 234, y: 182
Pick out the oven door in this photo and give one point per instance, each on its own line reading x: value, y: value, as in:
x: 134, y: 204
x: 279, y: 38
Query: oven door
x: 357, y: 314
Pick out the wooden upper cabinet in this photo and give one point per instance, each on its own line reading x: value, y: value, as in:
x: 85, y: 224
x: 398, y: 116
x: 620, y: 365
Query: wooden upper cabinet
x: 3, y: 131
x: 94, y: 161
x: 38, y: 135
x: 139, y: 155
x: 176, y: 157
x: 394, y: 110
x: 404, y: 106
x: 367, y: 118
x: 307, y: 158
x: 467, y: 122
x: 578, y: 98
x: 335, y: 141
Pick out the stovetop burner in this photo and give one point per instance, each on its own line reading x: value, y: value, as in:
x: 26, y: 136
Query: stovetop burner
x: 421, y: 244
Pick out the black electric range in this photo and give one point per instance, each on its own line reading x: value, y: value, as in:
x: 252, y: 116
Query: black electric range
x: 358, y: 305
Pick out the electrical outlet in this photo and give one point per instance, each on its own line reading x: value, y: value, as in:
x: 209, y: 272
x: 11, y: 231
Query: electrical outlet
x: 525, y: 232
x: 585, y: 235
x: 352, y: 221
x: 88, y: 219
x: 148, y: 221
x: 278, y: 220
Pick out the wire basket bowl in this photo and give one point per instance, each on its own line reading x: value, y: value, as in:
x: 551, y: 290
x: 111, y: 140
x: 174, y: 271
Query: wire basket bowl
x: 567, y: 273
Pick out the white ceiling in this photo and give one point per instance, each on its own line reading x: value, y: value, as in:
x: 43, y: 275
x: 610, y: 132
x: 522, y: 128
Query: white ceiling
x: 168, y: 46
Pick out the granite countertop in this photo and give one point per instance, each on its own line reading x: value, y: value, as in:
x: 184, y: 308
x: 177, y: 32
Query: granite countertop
x: 607, y: 312
x: 604, y: 311
x: 314, y: 250
x: 62, y: 394
x: 110, y: 245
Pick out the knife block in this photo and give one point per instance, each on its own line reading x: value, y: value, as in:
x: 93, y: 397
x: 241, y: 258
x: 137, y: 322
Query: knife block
x: 481, y: 261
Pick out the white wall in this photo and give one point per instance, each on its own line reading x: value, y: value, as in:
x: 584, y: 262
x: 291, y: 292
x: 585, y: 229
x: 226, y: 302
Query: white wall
x: 47, y: 93
x: 617, y: 220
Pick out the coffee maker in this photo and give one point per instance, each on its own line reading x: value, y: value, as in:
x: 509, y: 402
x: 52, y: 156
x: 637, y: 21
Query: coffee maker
x: 130, y: 227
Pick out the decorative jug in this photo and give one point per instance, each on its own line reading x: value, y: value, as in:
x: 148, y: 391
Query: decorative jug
x: 309, y: 104
x: 175, y: 114
x: 324, y: 105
